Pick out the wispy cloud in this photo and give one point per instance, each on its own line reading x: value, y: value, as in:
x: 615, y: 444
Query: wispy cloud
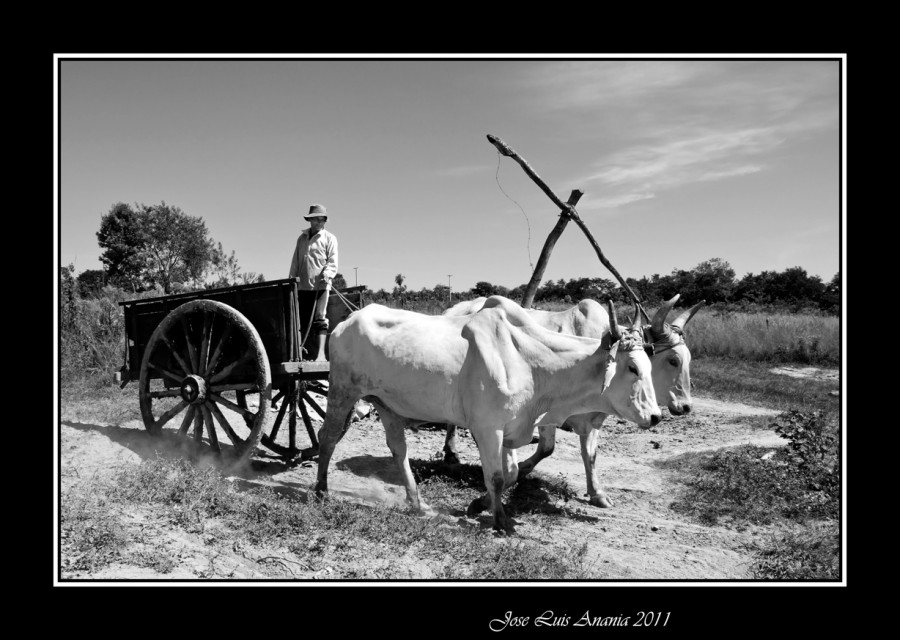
x: 670, y: 163
x: 662, y: 124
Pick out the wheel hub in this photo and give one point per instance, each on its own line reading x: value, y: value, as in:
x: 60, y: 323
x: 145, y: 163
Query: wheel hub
x: 193, y: 389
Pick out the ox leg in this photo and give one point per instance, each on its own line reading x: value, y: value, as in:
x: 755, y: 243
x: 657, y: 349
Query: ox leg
x: 494, y: 463
x: 546, y: 444
x: 394, y: 430
x: 589, y: 438
x: 451, y: 445
x: 337, y: 420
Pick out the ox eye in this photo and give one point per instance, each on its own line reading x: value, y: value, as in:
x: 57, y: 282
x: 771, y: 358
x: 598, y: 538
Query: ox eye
x: 674, y: 362
x: 633, y: 369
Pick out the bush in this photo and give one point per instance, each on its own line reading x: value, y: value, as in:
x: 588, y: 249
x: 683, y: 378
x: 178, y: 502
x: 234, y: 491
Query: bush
x: 799, y: 482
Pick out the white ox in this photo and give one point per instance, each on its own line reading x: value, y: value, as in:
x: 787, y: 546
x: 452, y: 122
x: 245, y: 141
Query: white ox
x: 670, y: 370
x: 496, y: 372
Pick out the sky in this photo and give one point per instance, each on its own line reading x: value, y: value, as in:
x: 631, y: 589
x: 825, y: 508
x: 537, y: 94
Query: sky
x: 680, y: 160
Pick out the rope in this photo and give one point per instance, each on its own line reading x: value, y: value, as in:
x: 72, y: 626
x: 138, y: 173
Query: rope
x: 308, y: 327
x: 528, y: 222
x: 669, y: 343
x: 346, y: 302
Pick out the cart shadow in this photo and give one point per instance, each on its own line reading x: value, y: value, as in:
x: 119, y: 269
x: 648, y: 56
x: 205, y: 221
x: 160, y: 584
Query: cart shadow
x: 167, y: 445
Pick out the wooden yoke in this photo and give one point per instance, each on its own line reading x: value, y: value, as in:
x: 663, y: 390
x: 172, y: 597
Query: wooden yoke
x: 567, y: 213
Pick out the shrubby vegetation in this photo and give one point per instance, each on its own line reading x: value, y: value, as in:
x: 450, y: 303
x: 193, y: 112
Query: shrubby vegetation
x: 791, y: 486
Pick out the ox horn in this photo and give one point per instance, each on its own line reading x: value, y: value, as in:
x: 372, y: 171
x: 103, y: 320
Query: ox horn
x: 636, y: 321
x: 681, y: 320
x: 614, y: 333
x: 658, y: 326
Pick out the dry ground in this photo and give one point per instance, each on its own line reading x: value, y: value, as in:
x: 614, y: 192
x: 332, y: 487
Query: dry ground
x: 640, y: 538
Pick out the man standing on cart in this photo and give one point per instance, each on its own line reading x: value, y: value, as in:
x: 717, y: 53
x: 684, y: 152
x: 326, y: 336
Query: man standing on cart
x: 315, y: 262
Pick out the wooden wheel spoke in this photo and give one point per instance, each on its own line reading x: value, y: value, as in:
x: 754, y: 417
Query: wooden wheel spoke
x: 207, y: 334
x: 192, y: 352
x: 278, y: 396
x: 210, y: 428
x: 181, y: 363
x: 168, y: 393
x: 314, y: 405
x: 226, y: 371
x: 278, y: 420
x: 318, y: 388
x: 171, y: 413
x: 217, y: 352
x: 166, y: 372
x: 228, y: 403
x: 235, y: 440
x: 307, y: 422
x: 188, y: 416
x: 198, y: 426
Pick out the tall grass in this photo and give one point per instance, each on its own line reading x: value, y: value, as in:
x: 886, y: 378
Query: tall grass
x: 799, y: 338
x: 802, y: 339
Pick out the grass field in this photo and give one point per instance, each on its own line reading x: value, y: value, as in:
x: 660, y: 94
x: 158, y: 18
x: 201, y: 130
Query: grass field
x: 733, y: 354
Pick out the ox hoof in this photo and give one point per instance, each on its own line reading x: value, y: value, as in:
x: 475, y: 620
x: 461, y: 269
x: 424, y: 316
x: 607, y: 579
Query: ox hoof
x: 320, y: 492
x: 475, y: 507
x: 450, y: 457
x: 504, y: 527
x: 601, y: 501
x: 420, y: 509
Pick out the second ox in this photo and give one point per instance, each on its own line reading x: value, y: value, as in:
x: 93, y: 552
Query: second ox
x: 670, y: 370
x: 496, y: 372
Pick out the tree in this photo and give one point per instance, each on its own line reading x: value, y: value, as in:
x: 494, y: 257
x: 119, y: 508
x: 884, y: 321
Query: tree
x: 831, y: 296
x: 123, y: 238
x: 400, y: 289
x: 178, y: 246
x: 159, y: 245
x: 90, y: 282
x: 251, y: 277
x: 339, y: 281
x: 225, y: 268
x: 483, y: 289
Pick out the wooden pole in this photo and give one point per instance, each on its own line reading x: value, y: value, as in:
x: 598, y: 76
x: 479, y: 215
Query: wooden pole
x: 531, y: 289
x: 568, y: 211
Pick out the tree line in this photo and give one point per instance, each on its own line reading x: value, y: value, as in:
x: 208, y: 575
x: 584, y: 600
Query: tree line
x: 712, y: 280
x: 161, y: 249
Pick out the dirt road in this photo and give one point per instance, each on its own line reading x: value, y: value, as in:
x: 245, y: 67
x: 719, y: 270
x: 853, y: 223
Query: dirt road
x: 640, y: 538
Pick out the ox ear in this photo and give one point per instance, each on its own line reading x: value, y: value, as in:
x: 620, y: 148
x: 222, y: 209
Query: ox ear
x: 681, y: 320
x: 658, y: 326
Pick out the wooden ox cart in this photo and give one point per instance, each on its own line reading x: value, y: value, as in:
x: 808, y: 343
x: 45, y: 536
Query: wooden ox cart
x: 211, y: 365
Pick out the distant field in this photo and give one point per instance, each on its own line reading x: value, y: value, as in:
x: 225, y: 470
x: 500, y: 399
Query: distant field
x: 782, y: 337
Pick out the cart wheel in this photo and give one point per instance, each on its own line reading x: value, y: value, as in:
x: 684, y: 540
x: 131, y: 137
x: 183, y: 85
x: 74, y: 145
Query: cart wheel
x: 297, y: 398
x: 199, y: 357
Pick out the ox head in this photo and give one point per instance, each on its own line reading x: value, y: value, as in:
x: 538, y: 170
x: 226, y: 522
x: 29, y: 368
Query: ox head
x: 630, y: 389
x: 671, y: 358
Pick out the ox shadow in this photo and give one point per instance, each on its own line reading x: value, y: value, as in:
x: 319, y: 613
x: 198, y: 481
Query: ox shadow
x: 453, y: 487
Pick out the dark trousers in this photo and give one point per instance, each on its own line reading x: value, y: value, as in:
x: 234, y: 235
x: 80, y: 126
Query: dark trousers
x: 312, y: 306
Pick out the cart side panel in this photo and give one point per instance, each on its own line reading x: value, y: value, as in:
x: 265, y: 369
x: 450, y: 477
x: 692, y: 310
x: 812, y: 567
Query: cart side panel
x: 266, y: 306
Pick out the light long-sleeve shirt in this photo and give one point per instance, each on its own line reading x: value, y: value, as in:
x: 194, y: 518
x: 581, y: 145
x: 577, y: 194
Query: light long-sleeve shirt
x: 315, y: 260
